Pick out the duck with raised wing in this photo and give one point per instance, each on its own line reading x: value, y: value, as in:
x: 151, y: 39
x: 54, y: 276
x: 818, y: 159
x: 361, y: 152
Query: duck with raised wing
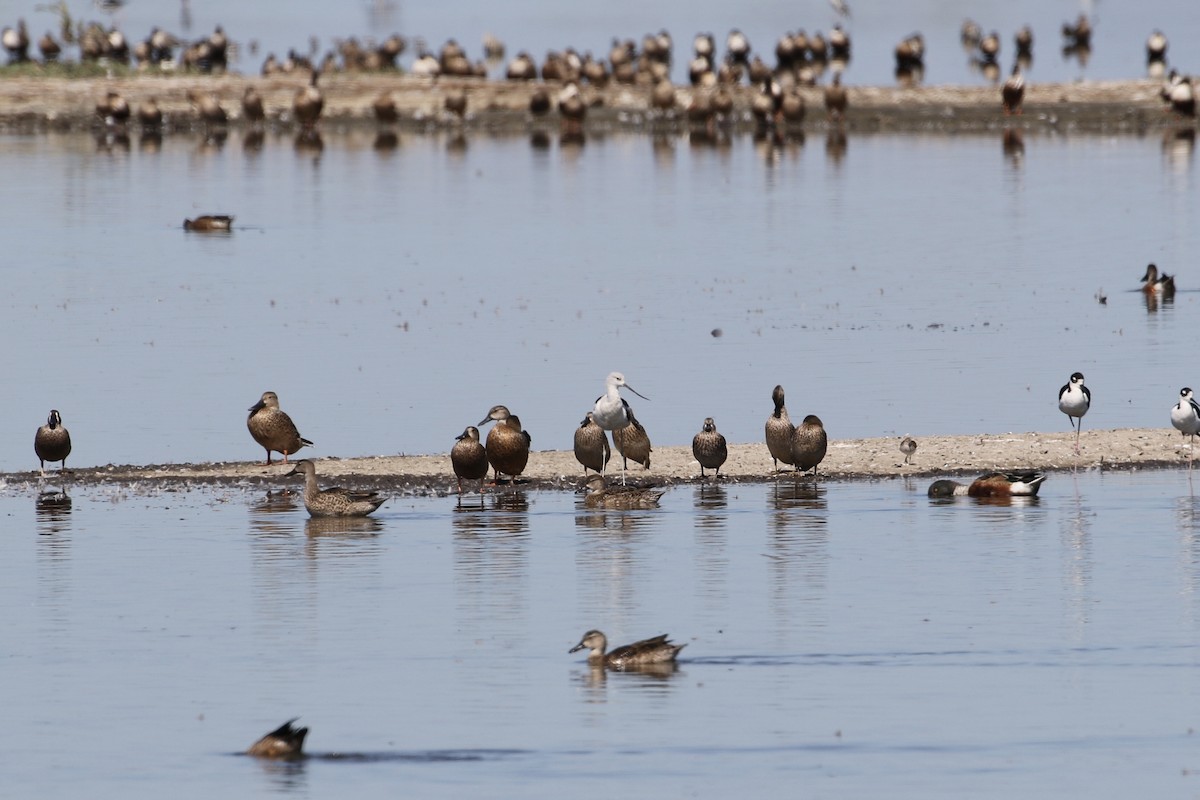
x: 658, y: 650
x: 334, y: 501
x: 507, y: 443
x: 779, y: 430
x: 274, y: 429
x: 52, y: 442
x: 591, y: 445
x: 469, y: 458
x: 285, y: 742
x: 994, y: 484
x: 709, y: 448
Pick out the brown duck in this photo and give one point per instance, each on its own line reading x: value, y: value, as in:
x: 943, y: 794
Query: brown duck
x: 779, y: 430
x: 468, y: 457
x: 284, y: 742
x: 709, y: 448
x: 809, y: 444
x: 273, y: 429
x: 507, y: 443
x: 52, y: 442
x: 591, y: 445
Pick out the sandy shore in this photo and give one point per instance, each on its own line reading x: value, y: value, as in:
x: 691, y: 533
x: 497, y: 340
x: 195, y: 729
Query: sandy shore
x: 32, y: 103
x: 848, y: 459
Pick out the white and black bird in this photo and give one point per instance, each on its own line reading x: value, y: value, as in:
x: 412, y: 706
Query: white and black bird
x: 1074, y: 400
x: 1185, y: 416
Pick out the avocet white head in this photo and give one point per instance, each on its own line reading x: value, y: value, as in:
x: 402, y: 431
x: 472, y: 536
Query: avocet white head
x: 609, y: 412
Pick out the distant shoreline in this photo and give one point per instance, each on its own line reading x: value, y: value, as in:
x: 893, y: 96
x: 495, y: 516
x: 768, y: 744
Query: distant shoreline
x: 847, y: 459
x: 30, y: 103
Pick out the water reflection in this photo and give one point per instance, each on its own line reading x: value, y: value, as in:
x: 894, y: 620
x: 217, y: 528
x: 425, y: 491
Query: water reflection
x: 253, y: 139
x: 53, y: 511
x: 285, y: 776
x: 835, y: 145
x: 1178, y: 144
x: 275, y: 512
x: 1013, y: 144
x: 491, y: 559
x: 386, y: 141
x: 342, y: 527
x: 797, y: 546
x: 712, y: 556
x: 1078, y: 557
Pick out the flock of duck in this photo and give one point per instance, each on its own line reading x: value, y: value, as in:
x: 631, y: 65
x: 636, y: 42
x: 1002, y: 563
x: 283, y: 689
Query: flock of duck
x: 800, y: 59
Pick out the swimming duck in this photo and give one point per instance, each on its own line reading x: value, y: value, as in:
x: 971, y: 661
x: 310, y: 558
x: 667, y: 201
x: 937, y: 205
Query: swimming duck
x: 809, y: 443
x: 507, y: 443
x: 1185, y: 417
x: 1012, y: 93
x: 632, y: 441
x: 52, y: 442
x: 779, y: 430
x: 709, y: 448
x: 284, y: 742
x: 274, y: 429
x: 994, y: 484
x: 468, y: 457
x: 1154, y: 283
x: 334, y: 501
x: 602, y: 495
x: 208, y: 223
x: 658, y: 650
x: 1074, y: 400
x: 908, y: 446
x: 591, y: 445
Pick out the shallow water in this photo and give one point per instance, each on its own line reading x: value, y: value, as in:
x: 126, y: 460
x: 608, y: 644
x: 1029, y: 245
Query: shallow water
x: 920, y: 284
x: 858, y: 637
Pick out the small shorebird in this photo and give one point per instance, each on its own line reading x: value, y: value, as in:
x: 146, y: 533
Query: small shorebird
x: 283, y: 742
x: 1074, y: 399
x: 994, y: 484
x: 809, y: 444
x: 908, y: 446
x: 591, y: 445
x: 632, y: 441
x: 208, y: 223
x: 1155, y: 283
x: 1185, y: 416
x: 507, y: 443
x: 779, y: 430
x: 274, y: 429
x: 658, y: 650
x: 52, y: 442
x: 468, y: 458
x: 1012, y: 94
x: 709, y: 448
x: 601, y: 495
x: 334, y: 501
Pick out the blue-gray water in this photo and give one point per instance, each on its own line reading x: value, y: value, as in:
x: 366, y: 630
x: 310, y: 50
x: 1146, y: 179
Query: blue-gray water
x: 920, y: 284
x: 857, y: 640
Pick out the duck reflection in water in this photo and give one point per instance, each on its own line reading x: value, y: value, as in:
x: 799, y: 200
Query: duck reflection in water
x: 53, y: 511
x: 836, y: 144
x: 347, y: 527
x: 711, y: 497
x: 252, y: 141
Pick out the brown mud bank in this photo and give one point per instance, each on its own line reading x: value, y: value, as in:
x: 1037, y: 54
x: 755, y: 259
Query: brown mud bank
x: 848, y: 459
x: 36, y: 103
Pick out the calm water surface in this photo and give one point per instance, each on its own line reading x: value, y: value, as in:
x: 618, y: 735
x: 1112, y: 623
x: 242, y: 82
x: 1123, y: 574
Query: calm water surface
x: 855, y: 638
x: 922, y: 284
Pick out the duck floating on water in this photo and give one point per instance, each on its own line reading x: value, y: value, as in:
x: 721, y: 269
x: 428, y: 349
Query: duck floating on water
x: 1157, y: 283
x: 334, y: 501
x: 285, y: 742
x: 657, y: 650
x: 207, y: 223
x: 601, y: 495
x: 994, y: 484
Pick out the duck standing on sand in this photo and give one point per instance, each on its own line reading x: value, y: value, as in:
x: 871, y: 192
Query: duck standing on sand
x: 52, y: 442
x: 779, y: 430
x: 709, y: 448
x: 507, y: 443
x: 469, y: 458
x: 274, y: 429
x: 591, y: 445
x: 1013, y: 92
x: 658, y: 650
x: 809, y: 444
x: 334, y: 501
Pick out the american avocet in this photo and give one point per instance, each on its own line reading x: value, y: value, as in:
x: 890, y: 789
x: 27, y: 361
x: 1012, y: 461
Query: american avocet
x: 52, y: 442
x: 334, y: 502
x: 994, y: 484
x: 658, y: 650
x: 612, y: 412
x: 1074, y: 399
x: 274, y: 429
x: 709, y: 448
x: 507, y: 443
x: 779, y: 430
